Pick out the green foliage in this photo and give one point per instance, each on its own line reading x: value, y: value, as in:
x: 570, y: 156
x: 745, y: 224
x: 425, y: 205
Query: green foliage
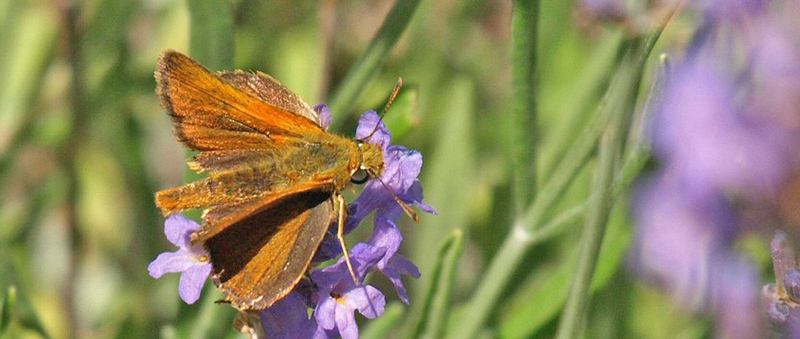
x: 506, y: 100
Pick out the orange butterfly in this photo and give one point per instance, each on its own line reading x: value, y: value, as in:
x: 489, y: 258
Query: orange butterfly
x: 274, y: 181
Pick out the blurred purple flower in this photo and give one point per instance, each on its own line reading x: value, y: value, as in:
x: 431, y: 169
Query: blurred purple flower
x: 677, y: 241
x: 726, y: 135
x: 606, y: 9
x: 713, y: 144
x: 191, y: 261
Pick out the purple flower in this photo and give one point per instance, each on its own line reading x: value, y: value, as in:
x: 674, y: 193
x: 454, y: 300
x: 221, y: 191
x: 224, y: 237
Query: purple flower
x: 712, y: 143
x: 288, y: 319
x: 393, y: 265
x: 726, y: 136
x: 332, y: 293
x: 191, y: 261
x: 401, y: 169
x: 677, y: 242
x: 338, y: 296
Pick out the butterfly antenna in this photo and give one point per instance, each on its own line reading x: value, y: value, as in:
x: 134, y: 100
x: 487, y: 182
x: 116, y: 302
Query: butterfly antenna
x: 388, y: 105
x: 407, y: 209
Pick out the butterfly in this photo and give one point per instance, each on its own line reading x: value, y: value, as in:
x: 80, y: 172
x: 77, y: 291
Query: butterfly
x: 275, y: 176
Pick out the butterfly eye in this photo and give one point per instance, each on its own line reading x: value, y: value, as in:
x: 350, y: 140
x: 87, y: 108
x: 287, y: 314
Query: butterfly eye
x: 359, y: 177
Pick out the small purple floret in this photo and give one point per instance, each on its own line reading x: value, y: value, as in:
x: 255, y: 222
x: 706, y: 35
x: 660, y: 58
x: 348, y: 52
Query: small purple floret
x: 191, y: 261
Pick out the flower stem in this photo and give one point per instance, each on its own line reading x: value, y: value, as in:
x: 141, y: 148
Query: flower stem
x: 522, y: 234
x: 524, y: 21
x: 70, y: 12
x: 373, y: 58
x: 601, y: 199
x: 594, y: 229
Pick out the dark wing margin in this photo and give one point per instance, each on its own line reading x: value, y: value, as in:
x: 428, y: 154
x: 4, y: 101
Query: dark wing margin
x: 259, y: 259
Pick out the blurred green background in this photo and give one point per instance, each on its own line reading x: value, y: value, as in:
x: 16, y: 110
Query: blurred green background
x: 84, y: 145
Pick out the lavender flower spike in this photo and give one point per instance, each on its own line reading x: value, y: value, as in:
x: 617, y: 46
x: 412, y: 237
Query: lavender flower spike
x: 191, y: 261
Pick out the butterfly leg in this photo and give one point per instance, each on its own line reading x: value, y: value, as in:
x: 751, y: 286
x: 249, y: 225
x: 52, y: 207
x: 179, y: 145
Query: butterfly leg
x: 340, y: 236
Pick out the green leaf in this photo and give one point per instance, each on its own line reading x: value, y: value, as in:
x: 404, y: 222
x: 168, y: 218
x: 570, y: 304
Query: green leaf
x: 429, y: 322
x: 382, y: 326
x: 373, y: 58
x: 9, y: 299
x: 445, y: 171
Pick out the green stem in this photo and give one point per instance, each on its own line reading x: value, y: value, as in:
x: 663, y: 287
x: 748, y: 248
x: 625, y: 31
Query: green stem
x: 70, y: 12
x: 596, y: 221
x: 443, y: 288
x: 373, y: 58
x: 522, y: 234
x: 211, y: 40
x: 603, y: 192
x: 524, y: 21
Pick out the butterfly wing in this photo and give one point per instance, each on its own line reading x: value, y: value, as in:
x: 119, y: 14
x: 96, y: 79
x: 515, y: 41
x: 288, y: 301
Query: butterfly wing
x: 210, y: 113
x: 258, y: 259
x: 270, y: 91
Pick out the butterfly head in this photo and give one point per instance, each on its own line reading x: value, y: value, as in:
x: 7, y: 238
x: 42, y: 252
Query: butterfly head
x: 371, y: 165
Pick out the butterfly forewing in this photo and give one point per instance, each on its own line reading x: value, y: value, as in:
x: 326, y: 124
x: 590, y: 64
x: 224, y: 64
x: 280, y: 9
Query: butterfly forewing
x: 271, y: 91
x: 210, y: 113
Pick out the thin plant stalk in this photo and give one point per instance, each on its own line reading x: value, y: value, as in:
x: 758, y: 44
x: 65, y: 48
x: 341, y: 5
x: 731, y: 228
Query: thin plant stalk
x: 524, y: 21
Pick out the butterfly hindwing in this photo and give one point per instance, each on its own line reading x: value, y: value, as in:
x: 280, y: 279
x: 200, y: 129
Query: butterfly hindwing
x: 258, y: 259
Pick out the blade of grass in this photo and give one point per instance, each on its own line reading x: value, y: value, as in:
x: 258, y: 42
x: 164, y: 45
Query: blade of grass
x: 211, y: 37
x: 452, y: 160
x: 430, y: 321
x: 524, y: 21
x: 600, y: 204
x: 73, y: 35
x: 373, y: 58
x: 212, y: 320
